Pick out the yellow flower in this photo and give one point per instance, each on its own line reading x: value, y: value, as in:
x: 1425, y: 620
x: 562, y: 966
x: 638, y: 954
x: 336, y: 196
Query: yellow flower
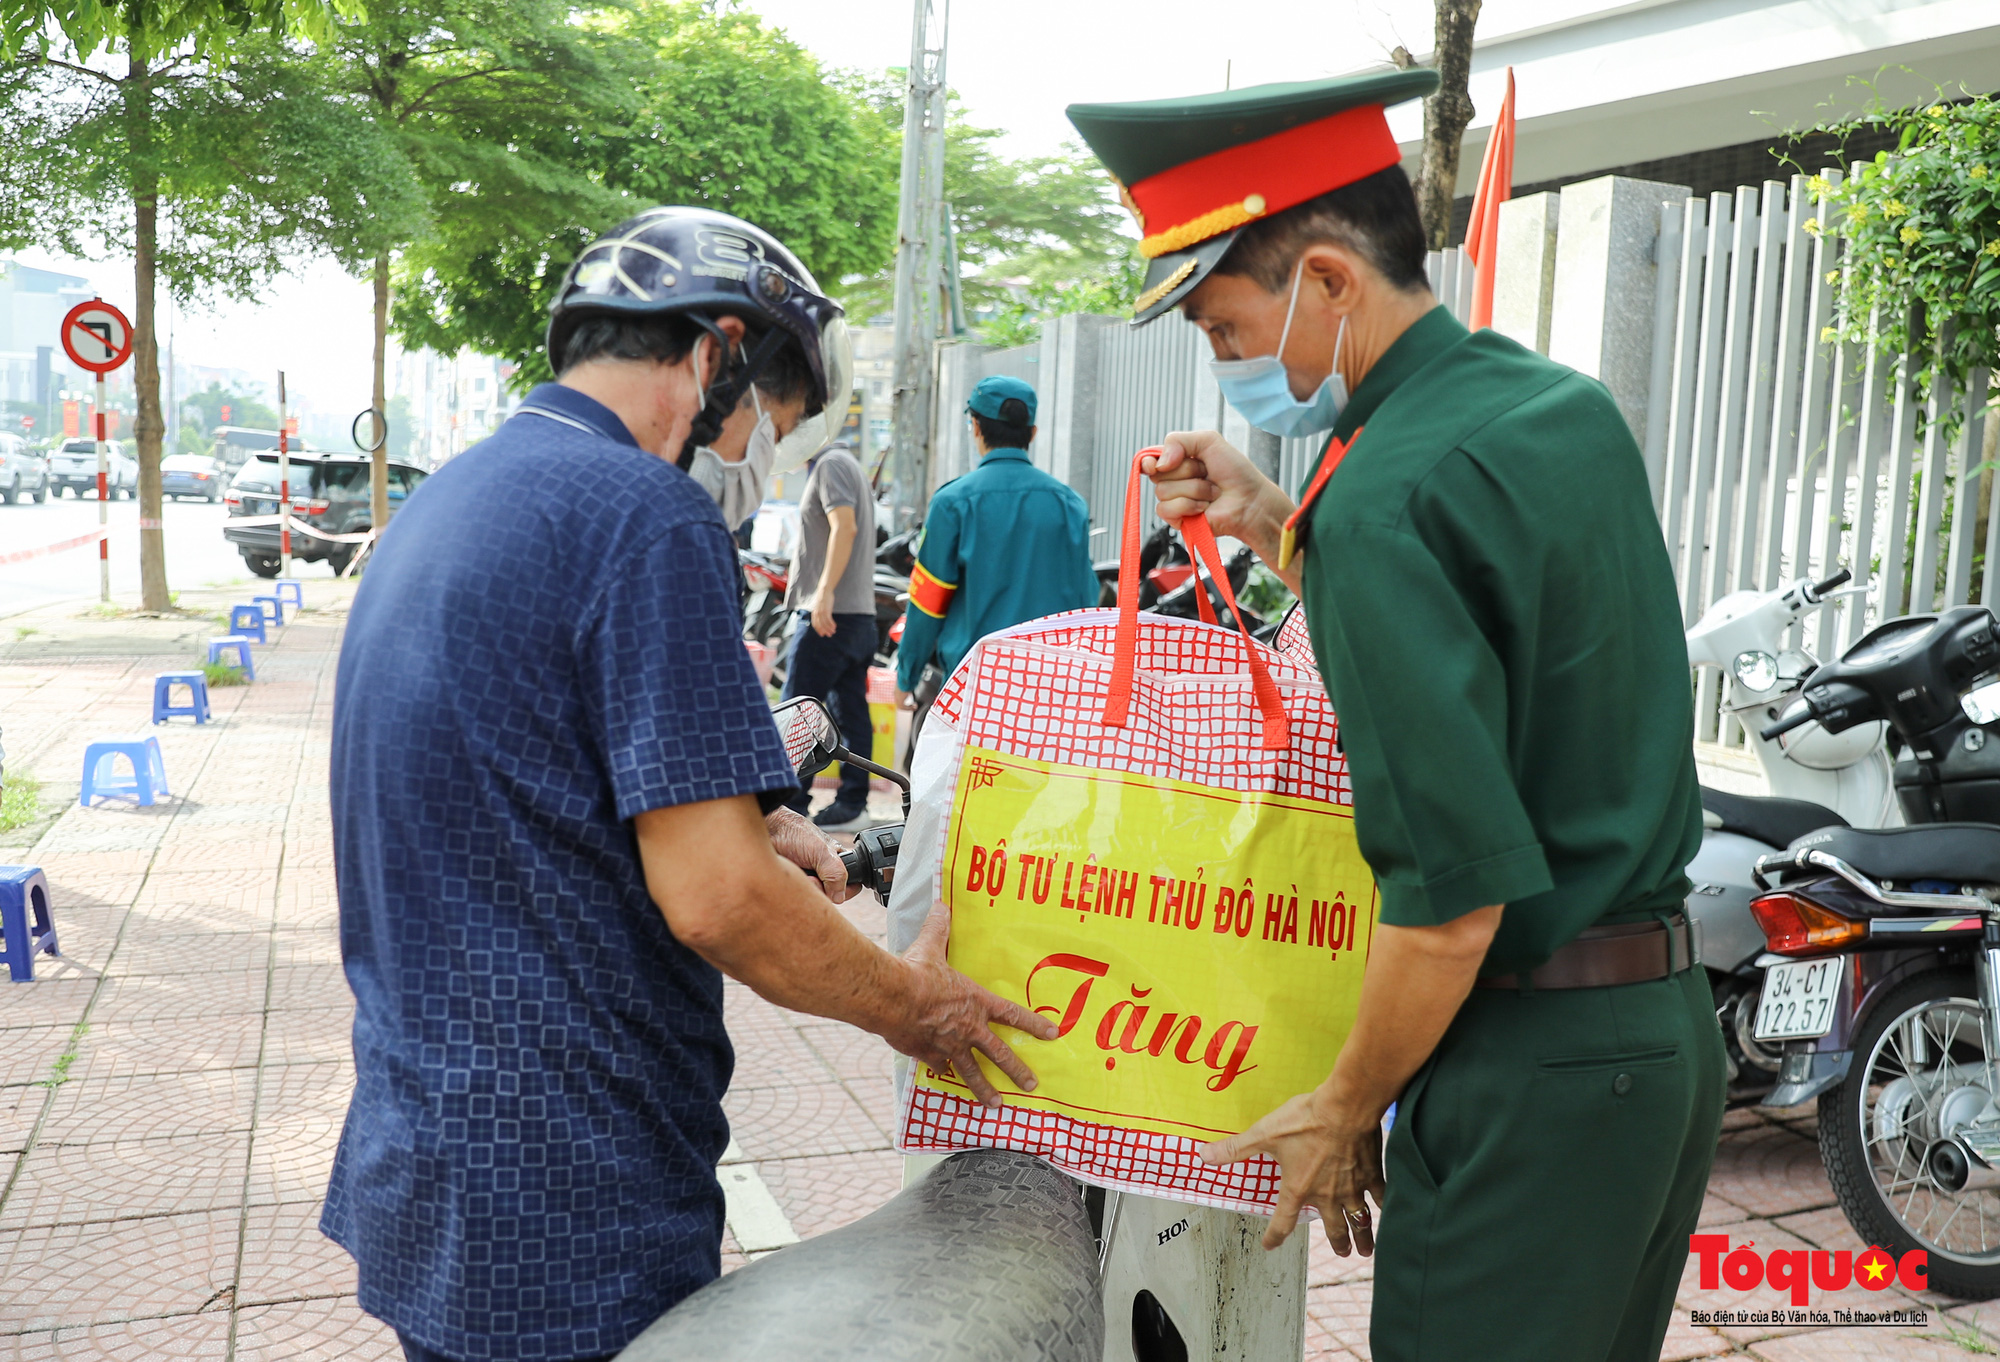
x: 1810, y: 226
x: 1977, y: 172
x: 1911, y: 236
x: 1935, y: 111
x: 1828, y: 335
x: 1857, y: 212
x: 1894, y: 209
x: 1991, y: 247
x: 1833, y: 276
x: 1818, y: 187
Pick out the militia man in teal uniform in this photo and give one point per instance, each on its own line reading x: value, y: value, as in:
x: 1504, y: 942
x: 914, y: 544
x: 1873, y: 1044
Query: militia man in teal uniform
x: 1003, y: 544
x: 1490, y: 602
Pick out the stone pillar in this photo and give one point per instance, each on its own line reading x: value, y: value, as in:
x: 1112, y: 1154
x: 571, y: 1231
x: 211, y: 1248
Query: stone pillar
x: 1601, y: 319
x: 1068, y: 397
x: 1524, y: 277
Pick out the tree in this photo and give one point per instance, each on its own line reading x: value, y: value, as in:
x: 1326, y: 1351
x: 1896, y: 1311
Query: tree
x: 115, y: 118
x: 244, y: 409
x: 481, y: 102
x: 1446, y: 114
x: 1036, y: 236
x: 727, y: 114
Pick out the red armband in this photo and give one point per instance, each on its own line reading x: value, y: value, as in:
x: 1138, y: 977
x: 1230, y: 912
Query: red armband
x: 928, y: 594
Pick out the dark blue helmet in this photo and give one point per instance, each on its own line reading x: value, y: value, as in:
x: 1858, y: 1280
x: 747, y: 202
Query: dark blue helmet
x: 702, y: 264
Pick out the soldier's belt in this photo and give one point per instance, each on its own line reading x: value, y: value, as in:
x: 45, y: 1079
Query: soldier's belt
x: 1602, y: 957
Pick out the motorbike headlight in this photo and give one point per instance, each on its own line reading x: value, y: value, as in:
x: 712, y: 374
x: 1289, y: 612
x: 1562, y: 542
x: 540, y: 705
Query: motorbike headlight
x: 1756, y: 670
x: 1982, y: 703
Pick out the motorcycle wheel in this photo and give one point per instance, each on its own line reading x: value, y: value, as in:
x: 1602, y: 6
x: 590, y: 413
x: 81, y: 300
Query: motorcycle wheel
x: 1919, y: 1075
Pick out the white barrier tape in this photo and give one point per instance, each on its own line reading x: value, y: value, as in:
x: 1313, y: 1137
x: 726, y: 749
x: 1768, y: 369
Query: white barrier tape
x: 23, y: 555
x: 244, y: 522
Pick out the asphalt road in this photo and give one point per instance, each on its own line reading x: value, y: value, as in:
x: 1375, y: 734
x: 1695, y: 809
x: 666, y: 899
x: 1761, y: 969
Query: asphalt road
x: 197, y: 554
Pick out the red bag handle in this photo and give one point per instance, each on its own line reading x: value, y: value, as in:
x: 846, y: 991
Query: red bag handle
x: 1201, y: 543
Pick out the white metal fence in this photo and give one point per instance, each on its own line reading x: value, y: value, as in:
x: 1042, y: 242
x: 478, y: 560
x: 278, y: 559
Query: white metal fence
x: 1780, y: 454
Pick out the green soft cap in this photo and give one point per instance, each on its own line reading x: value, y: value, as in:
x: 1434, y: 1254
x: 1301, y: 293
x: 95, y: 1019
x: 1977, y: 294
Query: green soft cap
x: 991, y: 392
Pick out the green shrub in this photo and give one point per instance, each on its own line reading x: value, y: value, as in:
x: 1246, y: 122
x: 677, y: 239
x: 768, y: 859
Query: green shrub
x: 21, y: 804
x: 223, y: 674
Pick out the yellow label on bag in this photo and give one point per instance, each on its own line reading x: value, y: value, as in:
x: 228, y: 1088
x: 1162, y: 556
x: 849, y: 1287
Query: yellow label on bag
x: 1201, y: 949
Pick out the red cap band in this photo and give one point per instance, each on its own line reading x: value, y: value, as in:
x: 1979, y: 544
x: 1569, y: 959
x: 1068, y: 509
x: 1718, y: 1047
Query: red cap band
x: 1200, y: 198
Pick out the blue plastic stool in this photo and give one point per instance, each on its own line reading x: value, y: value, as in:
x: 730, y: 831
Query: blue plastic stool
x: 292, y: 590
x: 164, y: 707
x: 247, y: 621
x: 148, y: 781
x: 240, y: 645
x: 274, y: 608
x: 26, y: 928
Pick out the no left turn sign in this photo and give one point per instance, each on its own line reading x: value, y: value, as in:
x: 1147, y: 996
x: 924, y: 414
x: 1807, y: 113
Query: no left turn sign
x: 97, y: 336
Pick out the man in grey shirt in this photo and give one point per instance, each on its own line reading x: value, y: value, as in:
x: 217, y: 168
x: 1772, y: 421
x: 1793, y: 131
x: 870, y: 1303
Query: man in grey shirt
x: 833, y: 589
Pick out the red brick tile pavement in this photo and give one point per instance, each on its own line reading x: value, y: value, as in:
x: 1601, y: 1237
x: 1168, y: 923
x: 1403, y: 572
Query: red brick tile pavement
x: 167, y: 1202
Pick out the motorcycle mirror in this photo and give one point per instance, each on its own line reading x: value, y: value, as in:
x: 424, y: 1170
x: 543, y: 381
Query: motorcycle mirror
x: 1982, y: 703
x: 808, y: 732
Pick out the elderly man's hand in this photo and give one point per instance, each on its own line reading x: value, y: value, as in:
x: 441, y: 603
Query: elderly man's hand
x: 795, y: 838
x: 1198, y: 472
x: 955, y: 1017
x: 1327, y: 1159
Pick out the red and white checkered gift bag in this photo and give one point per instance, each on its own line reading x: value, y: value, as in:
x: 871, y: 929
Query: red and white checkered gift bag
x: 1142, y: 829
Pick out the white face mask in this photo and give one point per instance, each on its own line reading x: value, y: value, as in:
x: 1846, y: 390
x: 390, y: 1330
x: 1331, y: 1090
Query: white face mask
x: 1261, y: 390
x: 738, y: 488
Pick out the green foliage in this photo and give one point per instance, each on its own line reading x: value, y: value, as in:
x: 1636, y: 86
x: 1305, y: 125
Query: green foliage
x: 244, y: 408
x: 1265, y: 593
x: 1921, y: 270
x: 1029, y: 230
x: 21, y: 802
x: 222, y: 674
x: 721, y: 112
x: 1110, y: 291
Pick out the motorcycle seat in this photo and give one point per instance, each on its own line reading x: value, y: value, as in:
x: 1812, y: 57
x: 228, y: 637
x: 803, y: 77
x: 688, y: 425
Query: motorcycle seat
x: 990, y: 1258
x: 1774, y: 822
x: 1961, y: 853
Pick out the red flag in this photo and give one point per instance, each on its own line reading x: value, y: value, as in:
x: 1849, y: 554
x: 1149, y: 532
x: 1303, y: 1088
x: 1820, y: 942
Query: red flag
x: 1482, y: 232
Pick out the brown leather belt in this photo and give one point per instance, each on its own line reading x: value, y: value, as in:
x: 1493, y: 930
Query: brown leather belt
x: 1601, y: 957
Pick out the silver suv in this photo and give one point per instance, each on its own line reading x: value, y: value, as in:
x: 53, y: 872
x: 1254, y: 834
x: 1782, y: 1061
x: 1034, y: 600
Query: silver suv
x: 74, y: 466
x: 23, y: 471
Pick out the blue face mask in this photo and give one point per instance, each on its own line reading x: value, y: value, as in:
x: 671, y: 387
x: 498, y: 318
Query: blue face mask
x: 1261, y: 390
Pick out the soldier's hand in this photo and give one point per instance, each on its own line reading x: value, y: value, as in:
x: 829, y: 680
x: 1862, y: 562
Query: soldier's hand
x: 1198, y: 472
x: 1330, y: 1160
x: 952, y: 1017
x: 795, y: 838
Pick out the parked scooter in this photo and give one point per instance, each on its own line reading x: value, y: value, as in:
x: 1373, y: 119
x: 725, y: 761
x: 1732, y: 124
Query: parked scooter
x: 1883, y: 982
x: 1817, y: 779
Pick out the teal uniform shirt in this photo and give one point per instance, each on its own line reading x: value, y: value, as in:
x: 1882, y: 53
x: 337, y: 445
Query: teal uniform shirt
x: 1003, y: 544
x: 1493, y: 611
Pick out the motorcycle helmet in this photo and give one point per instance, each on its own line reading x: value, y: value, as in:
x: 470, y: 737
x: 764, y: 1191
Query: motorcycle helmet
x: 703, y: 264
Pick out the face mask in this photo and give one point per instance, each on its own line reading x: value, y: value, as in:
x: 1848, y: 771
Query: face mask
x: 738, y: 488
x: 1261, y: 391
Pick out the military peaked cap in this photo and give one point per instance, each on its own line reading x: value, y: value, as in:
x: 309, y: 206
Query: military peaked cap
x: 1193, y: 171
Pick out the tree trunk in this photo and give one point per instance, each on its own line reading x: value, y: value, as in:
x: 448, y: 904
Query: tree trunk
x: 1445, y: 115
x: 149, y: 425
x: 378, y: 477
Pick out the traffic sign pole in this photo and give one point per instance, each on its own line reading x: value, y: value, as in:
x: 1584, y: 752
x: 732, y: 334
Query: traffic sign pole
x: 284, y: 487
x: 98, y: 337
x: 103, y: 501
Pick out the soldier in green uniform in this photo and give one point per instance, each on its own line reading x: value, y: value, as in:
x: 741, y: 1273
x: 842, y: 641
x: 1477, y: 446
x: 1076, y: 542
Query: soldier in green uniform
x: 1490, y: 602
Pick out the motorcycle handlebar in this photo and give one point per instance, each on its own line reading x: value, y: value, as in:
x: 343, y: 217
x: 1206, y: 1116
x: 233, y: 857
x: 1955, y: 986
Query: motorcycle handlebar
x: 1797, y: 719
x: 1839, y: 578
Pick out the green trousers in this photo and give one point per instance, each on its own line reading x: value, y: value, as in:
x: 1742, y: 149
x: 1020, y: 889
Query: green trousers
x: 1545, y: 1171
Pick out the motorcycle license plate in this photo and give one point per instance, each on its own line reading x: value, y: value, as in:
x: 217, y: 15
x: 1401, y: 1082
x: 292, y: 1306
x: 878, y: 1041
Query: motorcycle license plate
x: 1798, y: 999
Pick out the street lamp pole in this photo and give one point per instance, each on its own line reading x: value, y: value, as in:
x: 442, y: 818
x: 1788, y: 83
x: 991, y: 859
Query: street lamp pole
x: 924, y: 259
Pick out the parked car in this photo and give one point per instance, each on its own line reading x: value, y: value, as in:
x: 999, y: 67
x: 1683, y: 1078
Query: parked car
x: 24, y: 470
x: 193, y: 475
x: 329, y: 492
x: 75, y: 466
x: 235, y: 444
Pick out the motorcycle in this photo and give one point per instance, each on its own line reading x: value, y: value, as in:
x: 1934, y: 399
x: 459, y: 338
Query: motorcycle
x: 1817, y: 779
x: 1882, y: 980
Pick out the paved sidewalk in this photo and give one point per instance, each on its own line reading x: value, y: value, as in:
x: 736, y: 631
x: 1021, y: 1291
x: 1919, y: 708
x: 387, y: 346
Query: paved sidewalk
x: 171, y: 1092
